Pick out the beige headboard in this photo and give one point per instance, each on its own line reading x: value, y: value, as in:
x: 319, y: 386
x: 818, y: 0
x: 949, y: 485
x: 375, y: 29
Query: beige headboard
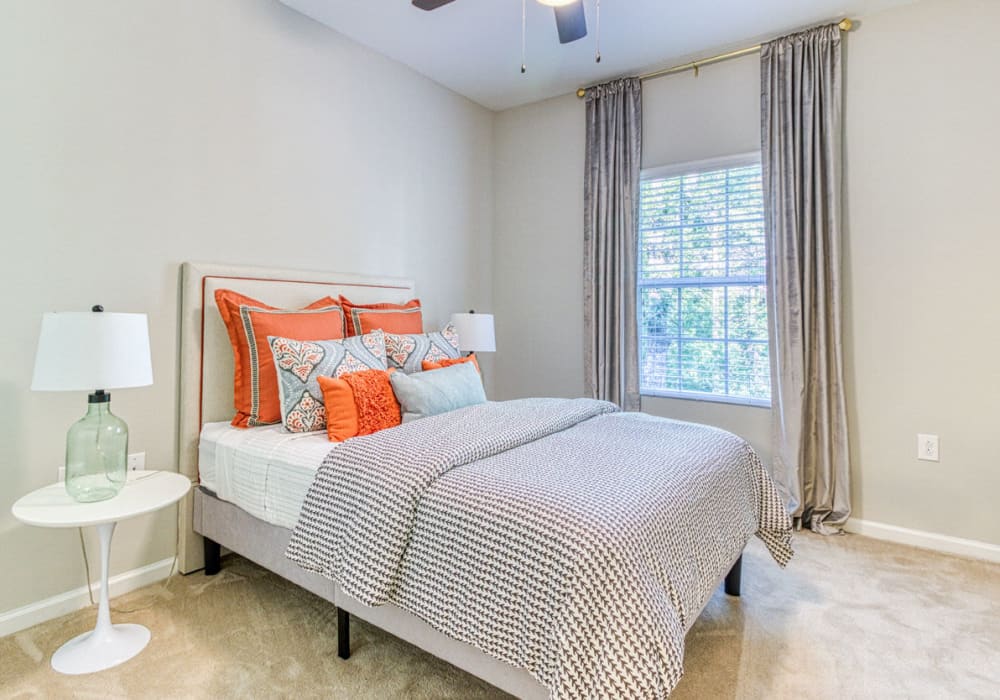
x: 206, y: 358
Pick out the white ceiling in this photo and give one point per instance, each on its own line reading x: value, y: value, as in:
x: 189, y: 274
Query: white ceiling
x: 474, y: 46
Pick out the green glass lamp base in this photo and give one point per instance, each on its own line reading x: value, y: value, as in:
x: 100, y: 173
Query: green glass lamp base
x: 96, y: 452
x: 89, y: 489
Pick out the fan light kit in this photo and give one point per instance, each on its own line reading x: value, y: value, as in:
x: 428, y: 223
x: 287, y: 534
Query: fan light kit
x: 571, y: 21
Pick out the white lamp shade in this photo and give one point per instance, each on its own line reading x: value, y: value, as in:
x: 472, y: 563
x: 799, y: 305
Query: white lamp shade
x: 475, y: 332
x: 86, y: 351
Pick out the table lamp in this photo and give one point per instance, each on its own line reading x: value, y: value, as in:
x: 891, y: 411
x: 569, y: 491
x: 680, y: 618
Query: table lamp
x: 475, y: 332
x: 80, y: 351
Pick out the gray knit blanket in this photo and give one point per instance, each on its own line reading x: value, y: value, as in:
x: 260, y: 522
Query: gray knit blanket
x: 561, y: 536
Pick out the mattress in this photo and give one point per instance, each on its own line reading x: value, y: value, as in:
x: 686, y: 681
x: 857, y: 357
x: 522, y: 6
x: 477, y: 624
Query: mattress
x: 266, y: 471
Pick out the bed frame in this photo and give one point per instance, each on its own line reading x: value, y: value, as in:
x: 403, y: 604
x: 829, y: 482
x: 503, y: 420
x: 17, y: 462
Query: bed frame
x: 208, y: 523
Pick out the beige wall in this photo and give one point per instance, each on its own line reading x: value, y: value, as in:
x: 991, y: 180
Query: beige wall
x: 921, y: 241
x: 136, y: 135
x: 538, y: 252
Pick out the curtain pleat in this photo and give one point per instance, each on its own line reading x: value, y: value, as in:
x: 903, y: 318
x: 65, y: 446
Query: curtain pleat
x: 611, y: 202
x: 801, y: 128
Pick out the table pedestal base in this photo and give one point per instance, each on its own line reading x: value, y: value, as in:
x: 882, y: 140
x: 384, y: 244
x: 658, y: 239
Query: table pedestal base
x: 107, y: 645
x: 100, y: 649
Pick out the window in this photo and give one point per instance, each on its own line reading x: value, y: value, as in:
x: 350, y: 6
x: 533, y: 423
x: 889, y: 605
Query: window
x: 702, y: 309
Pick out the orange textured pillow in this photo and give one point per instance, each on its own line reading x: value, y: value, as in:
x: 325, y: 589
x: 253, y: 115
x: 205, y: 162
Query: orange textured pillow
x: 375, y: 401
x: 249, y: 322
x: 400, y: 319
x: 449, y: 361
x: 359, y: 403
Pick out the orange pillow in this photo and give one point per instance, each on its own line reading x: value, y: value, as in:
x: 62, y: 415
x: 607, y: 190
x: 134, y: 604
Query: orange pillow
x: 341, y: 413
x: 249, y: 322
x: 449, y: 361
x: 359, y: 403
x: 400, y: 319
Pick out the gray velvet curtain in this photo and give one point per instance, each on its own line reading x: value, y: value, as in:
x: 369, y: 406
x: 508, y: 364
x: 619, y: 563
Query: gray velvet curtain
x: 610, y: 235
x: 801, y: 124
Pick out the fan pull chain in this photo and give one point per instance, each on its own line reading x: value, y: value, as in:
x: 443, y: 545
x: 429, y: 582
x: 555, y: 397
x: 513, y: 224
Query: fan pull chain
x: 524, y: 31
x: 597, y: 57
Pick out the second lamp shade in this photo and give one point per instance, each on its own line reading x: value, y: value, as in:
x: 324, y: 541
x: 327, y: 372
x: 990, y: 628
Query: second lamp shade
x: 475, y: 332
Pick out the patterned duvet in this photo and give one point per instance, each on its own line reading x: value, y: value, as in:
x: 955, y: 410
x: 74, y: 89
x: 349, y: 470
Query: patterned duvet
x: 561, y: 536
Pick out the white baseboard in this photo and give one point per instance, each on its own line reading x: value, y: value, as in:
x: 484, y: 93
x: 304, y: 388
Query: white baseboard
x: 925, y: 540
x: 58, y: 605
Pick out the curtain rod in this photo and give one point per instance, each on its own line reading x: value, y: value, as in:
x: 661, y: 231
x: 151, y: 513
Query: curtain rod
x: 845, y: 25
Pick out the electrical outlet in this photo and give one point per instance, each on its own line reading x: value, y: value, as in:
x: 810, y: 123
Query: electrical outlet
x: 137, y: 461
x: 61, y: 475
x: 927, y: 447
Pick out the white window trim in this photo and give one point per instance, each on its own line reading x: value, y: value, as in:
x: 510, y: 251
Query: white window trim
x: 706, y: 165
x: 710, y: 398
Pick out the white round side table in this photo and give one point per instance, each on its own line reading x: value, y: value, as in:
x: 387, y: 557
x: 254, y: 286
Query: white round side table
x: 144, y: 492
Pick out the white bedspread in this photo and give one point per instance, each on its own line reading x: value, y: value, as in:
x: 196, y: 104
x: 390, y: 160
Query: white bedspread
x: 265, y: 471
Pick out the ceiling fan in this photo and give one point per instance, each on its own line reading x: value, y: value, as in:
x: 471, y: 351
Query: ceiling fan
x: 570, y: 19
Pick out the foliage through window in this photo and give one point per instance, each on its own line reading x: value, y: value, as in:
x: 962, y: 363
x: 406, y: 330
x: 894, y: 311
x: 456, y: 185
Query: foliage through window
x: 702, y: 310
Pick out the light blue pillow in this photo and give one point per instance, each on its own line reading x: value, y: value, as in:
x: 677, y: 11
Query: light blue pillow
x: 437, y: 391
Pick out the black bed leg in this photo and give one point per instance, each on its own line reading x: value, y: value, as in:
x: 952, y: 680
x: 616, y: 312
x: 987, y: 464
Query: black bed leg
x: 213, y: 557
x: 343, y: 634
x: 733, y: 578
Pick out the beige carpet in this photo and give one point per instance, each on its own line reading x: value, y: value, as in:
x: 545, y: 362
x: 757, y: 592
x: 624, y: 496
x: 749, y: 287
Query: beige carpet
x: 850, y: 618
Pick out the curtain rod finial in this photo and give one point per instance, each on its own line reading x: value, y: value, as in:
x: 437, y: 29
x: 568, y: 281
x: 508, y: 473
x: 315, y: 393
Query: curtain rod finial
x: 846, y: 25
x: 581, y: 92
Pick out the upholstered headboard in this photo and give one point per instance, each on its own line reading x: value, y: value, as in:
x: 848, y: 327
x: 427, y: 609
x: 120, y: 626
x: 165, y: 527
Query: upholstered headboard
x: 206, y: 358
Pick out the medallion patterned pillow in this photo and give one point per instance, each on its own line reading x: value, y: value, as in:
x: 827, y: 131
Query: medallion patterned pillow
x: 300, y: 363
x: 408, y: 352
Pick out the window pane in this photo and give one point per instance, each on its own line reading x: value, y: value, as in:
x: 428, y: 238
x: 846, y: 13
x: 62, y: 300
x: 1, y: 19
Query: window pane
x: 702, y: 265
x: 659, y: 312
x: 748, y: 312
x: 749, y: 370
x: 746, y: 249
x: 702, y: 366
x: 703, y: 312
x: 658, y: 364
x: 660, y: 255
x: 703, y: 251
x: 661, y: 204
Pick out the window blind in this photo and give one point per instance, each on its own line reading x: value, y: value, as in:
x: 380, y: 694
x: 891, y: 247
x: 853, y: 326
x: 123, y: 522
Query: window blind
x: 702, y: 305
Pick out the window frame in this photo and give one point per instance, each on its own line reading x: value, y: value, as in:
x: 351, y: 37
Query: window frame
x: 740, y: 160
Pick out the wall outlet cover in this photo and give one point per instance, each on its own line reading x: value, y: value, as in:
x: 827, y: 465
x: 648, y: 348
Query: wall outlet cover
x: 927, y: 447
x: 137, y: 461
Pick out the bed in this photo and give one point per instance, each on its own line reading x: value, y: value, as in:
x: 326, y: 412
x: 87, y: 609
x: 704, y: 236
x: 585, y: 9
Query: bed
x: 255, y: 482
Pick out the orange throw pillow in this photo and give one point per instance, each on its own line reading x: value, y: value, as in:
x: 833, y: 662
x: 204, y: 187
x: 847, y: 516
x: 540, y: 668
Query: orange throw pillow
x: 375, y: 401
x: 341, y: 413
x: 249, y: 322
x: 400, y: 319
x: 359, y: 403
x: 448, y: 362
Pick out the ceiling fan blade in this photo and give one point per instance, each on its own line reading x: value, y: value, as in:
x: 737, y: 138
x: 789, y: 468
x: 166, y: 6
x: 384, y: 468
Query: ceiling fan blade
x: 430, y: 4
x: 570, y: 21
